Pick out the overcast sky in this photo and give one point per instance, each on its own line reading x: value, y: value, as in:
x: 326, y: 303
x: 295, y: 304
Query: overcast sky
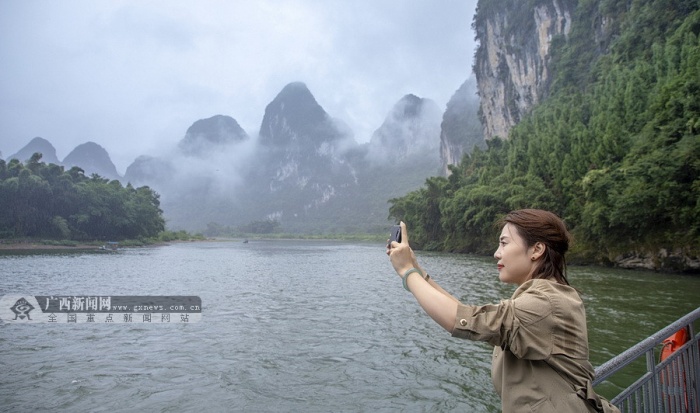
x: 133, y: 75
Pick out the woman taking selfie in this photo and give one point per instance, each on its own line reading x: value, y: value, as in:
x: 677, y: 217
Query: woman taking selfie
x: 540, y: 357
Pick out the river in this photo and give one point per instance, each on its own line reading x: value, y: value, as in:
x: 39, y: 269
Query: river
x: 286, y: 326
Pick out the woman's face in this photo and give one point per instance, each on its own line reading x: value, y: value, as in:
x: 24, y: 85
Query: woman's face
x: 515, y: 262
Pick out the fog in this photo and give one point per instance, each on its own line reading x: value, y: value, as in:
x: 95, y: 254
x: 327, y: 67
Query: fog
x: 132, y: 76
x: 216, y: 172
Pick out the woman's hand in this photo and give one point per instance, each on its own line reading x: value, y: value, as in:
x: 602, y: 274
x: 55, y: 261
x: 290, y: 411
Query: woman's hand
x: 440, y: 305
x: 400, y: 253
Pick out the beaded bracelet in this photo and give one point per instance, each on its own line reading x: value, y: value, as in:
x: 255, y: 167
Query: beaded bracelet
x: 404, y: 279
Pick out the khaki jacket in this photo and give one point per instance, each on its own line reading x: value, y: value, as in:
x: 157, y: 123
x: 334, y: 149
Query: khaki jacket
x: 540, y: 358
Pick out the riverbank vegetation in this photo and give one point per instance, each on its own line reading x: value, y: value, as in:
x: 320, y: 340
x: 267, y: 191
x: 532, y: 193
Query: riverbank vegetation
x: 269, y: 229
x: 164, y: 237
x: 45, y: 201
x: 614, y: 149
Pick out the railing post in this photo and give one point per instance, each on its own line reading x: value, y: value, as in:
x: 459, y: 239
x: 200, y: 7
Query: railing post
x: 654, y: 385
x: 695, y: 365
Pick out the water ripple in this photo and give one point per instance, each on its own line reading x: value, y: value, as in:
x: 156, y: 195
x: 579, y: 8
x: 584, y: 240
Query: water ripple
x: 312, y: 326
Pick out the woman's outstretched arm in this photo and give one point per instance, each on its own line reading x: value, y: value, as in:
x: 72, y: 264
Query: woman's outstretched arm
x: 440, y: 306
x: 438, y: 303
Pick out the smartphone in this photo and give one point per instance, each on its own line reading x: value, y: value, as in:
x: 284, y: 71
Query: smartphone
x: 395, y: 234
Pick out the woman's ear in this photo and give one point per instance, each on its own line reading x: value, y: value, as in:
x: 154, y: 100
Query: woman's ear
x: 537, y: 250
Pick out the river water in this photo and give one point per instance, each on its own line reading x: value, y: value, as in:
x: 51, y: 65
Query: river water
x: 286, y: 326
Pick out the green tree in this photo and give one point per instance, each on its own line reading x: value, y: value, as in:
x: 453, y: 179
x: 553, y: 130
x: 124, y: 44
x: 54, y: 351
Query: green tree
x: 614, y: 147
x: 40, y: 200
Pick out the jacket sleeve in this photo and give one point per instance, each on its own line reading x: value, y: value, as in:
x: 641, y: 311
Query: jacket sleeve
x: 522, y: 324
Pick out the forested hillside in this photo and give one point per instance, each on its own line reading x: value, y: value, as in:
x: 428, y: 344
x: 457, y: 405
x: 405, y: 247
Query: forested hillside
x: 614, y: 147
x: 45, y: 200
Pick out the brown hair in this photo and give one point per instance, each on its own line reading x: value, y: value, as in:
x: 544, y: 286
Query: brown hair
x: 536, y: 225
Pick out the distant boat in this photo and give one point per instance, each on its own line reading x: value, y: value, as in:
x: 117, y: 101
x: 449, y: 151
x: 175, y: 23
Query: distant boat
x: 110, y: 246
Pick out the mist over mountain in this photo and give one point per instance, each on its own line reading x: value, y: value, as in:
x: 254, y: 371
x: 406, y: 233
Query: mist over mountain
x: 93, y: 159
x: 207, y: 135
x: 461, y: 129
x: 90, y: 157
x: 301, y: 162
x: 411, y: 128
x: 295, y: 116
x: 199, y: 176
x: 303, y: 170
x: 149, y: 169
x: 208, y: 145
x: 40, y: 145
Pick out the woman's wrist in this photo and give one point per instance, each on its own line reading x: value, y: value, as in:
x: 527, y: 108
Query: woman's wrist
x: 413, y: 270
x: 407, y: 273
x: 423, y: 272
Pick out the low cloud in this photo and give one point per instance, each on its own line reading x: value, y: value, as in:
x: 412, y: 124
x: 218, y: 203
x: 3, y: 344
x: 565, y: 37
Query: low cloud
x: 132, y: 75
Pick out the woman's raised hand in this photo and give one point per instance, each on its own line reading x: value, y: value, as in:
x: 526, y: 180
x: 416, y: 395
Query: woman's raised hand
x: 400, y: 253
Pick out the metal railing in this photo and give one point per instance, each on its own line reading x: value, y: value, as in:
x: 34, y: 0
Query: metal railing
x: 668, y: 386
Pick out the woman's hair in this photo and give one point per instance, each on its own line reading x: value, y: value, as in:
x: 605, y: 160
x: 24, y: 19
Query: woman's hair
x: 536, y: 225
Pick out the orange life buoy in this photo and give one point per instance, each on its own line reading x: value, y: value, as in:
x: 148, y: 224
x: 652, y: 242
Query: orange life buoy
x: 674, y: 391
x: 674, y: 342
